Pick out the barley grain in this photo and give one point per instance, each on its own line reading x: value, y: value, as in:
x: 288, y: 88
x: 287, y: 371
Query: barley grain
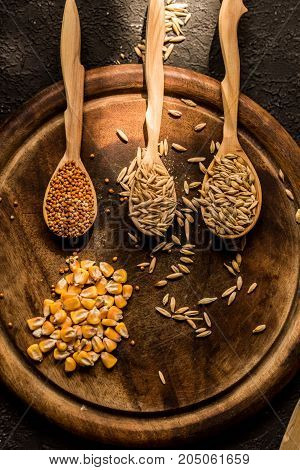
x: 162, y: 378
x: 259, y: 329
x: 121, y: 134
x: 252, y: 288
x: 163, y: 312
x: 178, y: 148
x: 200, y: 127
x: 231, y: 298
x: 207, y: 300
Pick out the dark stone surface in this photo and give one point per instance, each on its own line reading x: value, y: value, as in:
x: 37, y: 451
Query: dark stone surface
x: 29, y: 61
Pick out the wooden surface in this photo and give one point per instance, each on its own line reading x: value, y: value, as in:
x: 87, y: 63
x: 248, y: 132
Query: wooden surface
x: 209, y: 383
x: 291, y: 438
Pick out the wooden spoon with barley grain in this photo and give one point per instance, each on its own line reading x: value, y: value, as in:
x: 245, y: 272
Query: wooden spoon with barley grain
x: 154, y: 72
x: 73, y: 75
x: 230, y: 14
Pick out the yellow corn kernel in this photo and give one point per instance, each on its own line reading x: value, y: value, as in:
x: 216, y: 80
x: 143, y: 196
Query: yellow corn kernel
x: 127, y: 291
x: 47, y: 328
x: 115, y: 313
x: 100, y: 331
x: 89, y: 304
x: 83, y: 359
x: 88, y: 331
x: 74, y: 264
x: 121, y: 328
x: 93, y: 356
x: 79, y: 315
x: 37, y: 333
x: 61, y: 345
x: 70, y: 364
x: 103, y: 312
x: 35, y: 323
x: 94, y: 317
x: 55, y: 335
x: 114, y: 288
x: 61, y: 286
x: 101, y: 286
x: 77, y: 345
x: 97, y: 344
x: 120, y: 275
x: 72, y: 303
x: 47, y: 345
x: 78, y: 331
x: 109, y: 361
x: 88, y: 346
x: 108, y: 322
x: 95, y: 273
x: 59, y: 317
x: 76, y: 290
x: 70, y: 278
x: 109, y: 345
x: 57, y: 305
x: 99, y: 301
x: 46, y: 309
x: 106, y: 269
x: 35, y: 353
x: 112, y: 334
x: 120, y: 301
x: 66, y: 323
x: 86, y: 263
x: 89, y: 293
x: 60, y: 355
x: 67, y: 334
x: 80, y: 276
x: 108, y: 300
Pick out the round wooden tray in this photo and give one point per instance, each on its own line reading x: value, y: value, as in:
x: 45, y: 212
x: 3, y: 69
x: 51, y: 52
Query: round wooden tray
x: 211, y: 382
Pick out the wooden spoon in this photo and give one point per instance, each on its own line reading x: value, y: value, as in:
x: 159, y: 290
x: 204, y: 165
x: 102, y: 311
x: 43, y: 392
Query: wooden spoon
x: 155, y: 86
x: 230, y: 14
x: 73, y: 75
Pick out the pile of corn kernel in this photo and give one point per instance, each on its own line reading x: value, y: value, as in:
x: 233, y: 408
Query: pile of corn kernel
x: 84, y: 323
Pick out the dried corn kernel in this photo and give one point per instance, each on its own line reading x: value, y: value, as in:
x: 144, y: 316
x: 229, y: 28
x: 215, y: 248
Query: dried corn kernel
x: 35, y: 323
x: 108, y: 300
x: 47, y: 345
x: 59, y: 317
x: 109, y: 361
x: 97, y: 344
x: 99, y: 301
x: 67, y: 334
x: 70, y: 278
x: 122, y: 330
x: 61, y: 345
x: 88, y: 346
x: 120, y: 301
x: 101, y: 286
x: 70, y: 364
x: 60, y: 355
x: 47, y: 328
x: 35, y: 353
x: 89, y: 293
x: 95, y: 273
x: 108, y: 322
x: 78, y: 331
x: 114, y: 288
x: 93, y: 356
x: 83, y: 359
x: 86, y: 263
x: 55, y: 307
x: 75, y: 290
x: 72, y: 303
x: 88, y: 331
x: 127, y: 291
x: 94, y: 317
x: 100, y: 331
x: 120, y: 275
x: 77, y: 345
x: 74, y: 264
x: 106, y: 269
x: 80, y: 276
x: 89, y: 304
x: 61, y: 286
x: 112, y: 334
x: 115, y: 313
x: 37, y: 333
x: 55, y: 335
x: 79, y: 315
x: 46, y: 309
x: 66, y: 323
x: 109, y: 345
x: 103, y: 312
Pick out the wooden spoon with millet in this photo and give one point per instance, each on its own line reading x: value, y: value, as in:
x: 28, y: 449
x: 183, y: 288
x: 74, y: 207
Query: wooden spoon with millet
x: 70, y: 203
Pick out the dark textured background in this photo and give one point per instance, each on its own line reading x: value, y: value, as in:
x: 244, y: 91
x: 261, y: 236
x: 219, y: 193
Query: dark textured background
x: 29, y: 61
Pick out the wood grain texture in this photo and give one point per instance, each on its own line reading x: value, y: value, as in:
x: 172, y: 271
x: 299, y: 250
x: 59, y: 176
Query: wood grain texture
x: 209, y: 384
x: 291, y: 438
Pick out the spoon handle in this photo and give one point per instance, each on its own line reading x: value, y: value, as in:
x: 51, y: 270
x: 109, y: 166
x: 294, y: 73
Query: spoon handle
x: 230, y: 14
x: 73, y: 75
x: 154, y: 74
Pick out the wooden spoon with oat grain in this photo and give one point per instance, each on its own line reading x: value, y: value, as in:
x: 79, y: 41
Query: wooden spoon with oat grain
x: 231, y: 191
x: 152, y: 200
x: 70, y: 203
